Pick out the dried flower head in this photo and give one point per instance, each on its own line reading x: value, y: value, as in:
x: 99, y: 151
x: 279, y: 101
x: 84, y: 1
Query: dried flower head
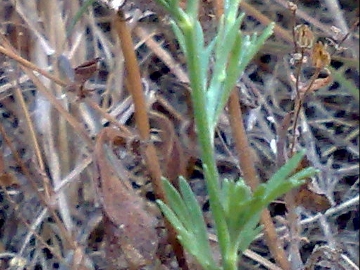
x: 320, y: 56
x: 304, y: 37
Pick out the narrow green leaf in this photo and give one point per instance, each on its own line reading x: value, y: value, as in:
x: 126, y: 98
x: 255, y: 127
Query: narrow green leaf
x: 260, y: 190
x: 286, y: 169
x: 266, y: 33
x: 253, y: 47
x: 179, y: 36
x: 303, y: 174
x: 177, y: 204
x: 221, y: 36
x: 173, y: 219
x: 199, y: 229
x: 248, y: 234
x: 229, y: 8
x: 192, y: 9
x: 225, y: 195
x: 232, y: 28
x: 200, y: 48
x: 275, y: 191
x: 232, y: 75
x: 187, y: 238
x: 239, y: 204
x: 240, y: 194
x: 78, y: 16
x: 164, y: 4
x: 195, y: 213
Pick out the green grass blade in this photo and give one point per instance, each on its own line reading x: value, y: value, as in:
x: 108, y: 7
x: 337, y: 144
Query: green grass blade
x: 78, y: 16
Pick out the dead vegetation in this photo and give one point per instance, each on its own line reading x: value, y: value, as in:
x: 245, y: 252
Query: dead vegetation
x: 78, y: 166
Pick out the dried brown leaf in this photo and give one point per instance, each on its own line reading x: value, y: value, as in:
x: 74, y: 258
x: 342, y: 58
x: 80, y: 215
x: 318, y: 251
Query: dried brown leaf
x: 316, y: 85
x: 310, y: 200
x: 6, y: 179
x: 169, y: 148
x: 320, y: 56
x: 308, y: 197
x: 84, y: 71
x: 130, y: 229
x: 81, y: 74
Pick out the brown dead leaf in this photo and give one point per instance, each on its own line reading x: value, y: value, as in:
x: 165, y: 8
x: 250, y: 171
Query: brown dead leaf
x: 181, y: 128
x: 81, y: 74
x: 6, y: 179
x: 304, y: 88
x: 309, y: 198
x: 169, y: 148
x: 84, y: 71
x: 130, y: 229
x: 304, y: 37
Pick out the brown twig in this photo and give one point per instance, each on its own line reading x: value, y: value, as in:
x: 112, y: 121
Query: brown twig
x: 303, y: 40
x: 143, y: 126
x: 297, y: 107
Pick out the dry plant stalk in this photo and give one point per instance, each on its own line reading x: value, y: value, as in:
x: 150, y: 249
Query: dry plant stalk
x: 303, y: 39
x: 142, y: 122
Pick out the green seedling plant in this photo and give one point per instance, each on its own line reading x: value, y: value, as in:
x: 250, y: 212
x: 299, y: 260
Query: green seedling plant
x: 234, y: 207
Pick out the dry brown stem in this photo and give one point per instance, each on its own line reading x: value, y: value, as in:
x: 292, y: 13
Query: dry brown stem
x: 142, y: 122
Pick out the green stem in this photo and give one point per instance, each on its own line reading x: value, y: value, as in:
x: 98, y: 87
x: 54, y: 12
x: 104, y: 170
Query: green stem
x: 205, y: 138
